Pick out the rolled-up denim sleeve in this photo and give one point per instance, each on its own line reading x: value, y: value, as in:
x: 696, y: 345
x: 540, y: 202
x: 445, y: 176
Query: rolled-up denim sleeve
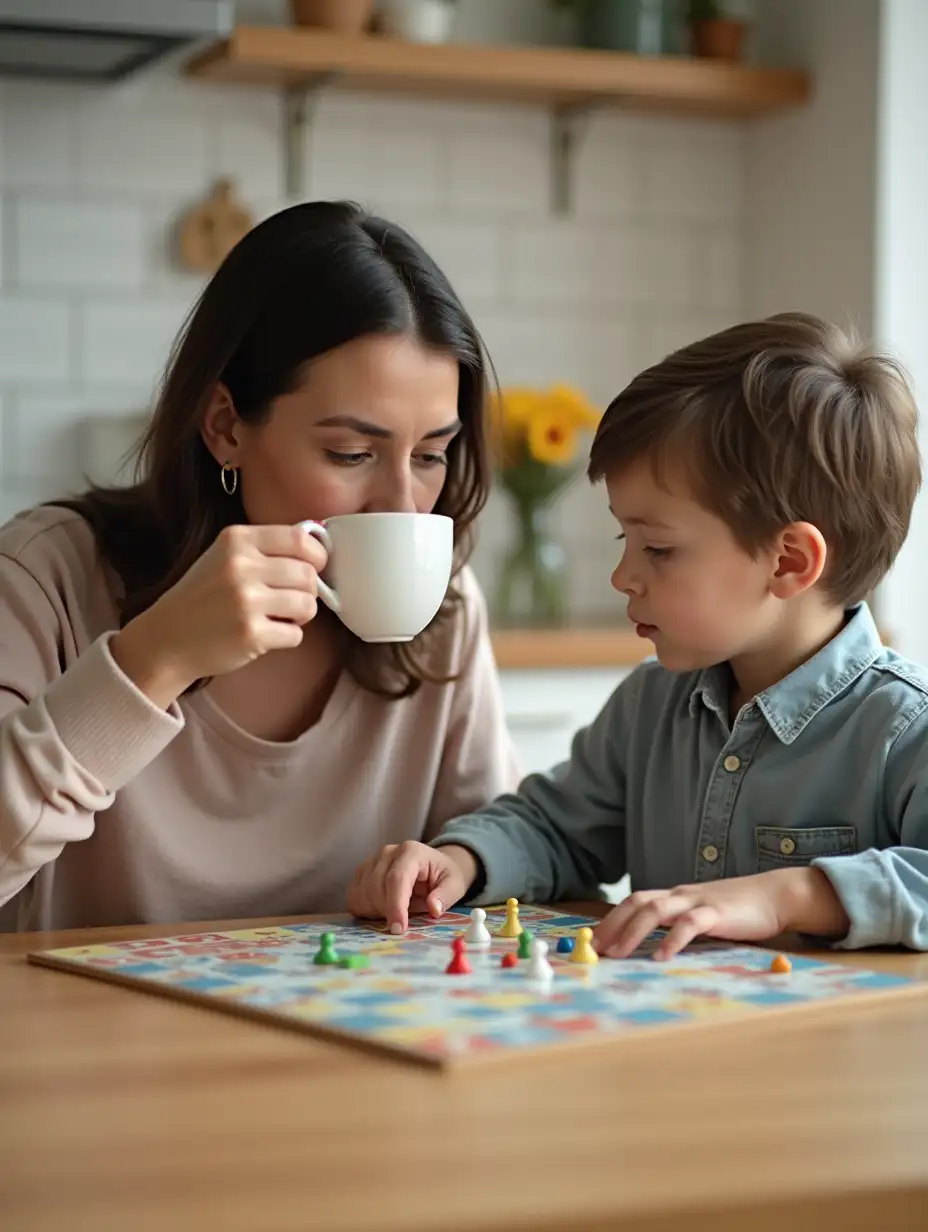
x: 562, y: 833
x: 885, y: 892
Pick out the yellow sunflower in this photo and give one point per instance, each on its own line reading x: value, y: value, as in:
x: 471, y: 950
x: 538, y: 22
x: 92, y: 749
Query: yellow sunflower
x: 551, y: 438
x: 574, y: 406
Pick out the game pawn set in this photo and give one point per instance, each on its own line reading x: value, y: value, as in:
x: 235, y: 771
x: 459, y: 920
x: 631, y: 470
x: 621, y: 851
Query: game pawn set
x: 471, y: 986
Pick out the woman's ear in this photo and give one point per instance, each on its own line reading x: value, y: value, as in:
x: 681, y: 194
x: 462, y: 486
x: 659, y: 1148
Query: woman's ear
x: 801, y: 553
x: 221, y: 427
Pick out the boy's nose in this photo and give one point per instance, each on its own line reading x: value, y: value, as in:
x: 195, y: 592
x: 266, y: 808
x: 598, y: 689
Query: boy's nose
x: 622, y: 581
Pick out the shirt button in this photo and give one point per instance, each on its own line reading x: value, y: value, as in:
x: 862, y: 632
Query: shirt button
x: 731, y: 763
x: 710, y: 853
x: 787, y: 846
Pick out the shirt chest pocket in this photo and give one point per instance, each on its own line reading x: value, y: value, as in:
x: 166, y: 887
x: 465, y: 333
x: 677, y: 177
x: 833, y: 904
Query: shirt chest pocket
x: 780, y: 848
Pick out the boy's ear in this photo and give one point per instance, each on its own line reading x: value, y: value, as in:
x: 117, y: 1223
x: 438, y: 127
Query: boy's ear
x: 800, y: 553
x: 220, y: 428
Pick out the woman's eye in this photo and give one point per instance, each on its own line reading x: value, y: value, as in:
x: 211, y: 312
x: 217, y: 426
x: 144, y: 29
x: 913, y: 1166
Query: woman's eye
x: 345, y: 459
x: 432, y: 459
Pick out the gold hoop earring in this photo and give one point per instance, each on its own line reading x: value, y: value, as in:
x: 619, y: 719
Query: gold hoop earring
x: 229, y: 486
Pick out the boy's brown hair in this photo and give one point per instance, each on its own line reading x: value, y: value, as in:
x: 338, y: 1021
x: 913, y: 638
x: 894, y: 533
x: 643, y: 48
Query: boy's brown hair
x: 776, y: 421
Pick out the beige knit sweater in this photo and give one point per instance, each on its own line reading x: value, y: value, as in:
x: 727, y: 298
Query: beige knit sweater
x: 113, y: 811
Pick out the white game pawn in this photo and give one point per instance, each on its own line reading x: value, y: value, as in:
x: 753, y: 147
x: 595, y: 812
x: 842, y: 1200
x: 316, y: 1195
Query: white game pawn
x: 538, y: 967
x: 478, y: 935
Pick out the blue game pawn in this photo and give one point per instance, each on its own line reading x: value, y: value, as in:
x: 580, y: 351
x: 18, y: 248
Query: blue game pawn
x: 565, y: 945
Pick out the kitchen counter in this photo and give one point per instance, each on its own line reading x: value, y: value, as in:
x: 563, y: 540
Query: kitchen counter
x: 531, y: 649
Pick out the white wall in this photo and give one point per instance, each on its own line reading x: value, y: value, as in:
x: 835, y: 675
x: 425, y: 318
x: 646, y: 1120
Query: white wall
x: 835, y: 209
x: 902, y: 264
x: 91, y: 180
x: 811, y: 173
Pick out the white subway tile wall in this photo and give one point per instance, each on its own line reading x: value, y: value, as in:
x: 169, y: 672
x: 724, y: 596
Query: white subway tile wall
x: 93, y: 179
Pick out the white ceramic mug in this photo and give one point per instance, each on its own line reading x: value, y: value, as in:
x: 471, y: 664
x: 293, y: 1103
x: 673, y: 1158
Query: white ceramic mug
x: 389, y: 571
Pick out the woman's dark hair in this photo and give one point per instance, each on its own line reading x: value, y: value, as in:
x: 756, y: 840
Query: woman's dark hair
x: 305, y: 281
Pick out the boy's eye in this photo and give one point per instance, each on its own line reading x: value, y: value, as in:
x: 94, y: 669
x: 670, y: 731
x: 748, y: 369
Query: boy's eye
x: 345, y: 459
x: 659, y: 553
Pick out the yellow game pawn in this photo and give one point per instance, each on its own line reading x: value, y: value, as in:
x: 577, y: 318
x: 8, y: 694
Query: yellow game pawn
x: 512, y: 927
x: 583, y: 951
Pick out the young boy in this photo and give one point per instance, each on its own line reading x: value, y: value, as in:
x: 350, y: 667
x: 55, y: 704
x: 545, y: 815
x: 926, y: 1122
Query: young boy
x: 769, y: 771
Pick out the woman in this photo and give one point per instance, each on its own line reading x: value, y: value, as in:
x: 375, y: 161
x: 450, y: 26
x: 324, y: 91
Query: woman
x: 184, y: 734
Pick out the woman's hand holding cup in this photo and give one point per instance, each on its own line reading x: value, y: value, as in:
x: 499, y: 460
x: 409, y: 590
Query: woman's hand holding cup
x: 252, y: 591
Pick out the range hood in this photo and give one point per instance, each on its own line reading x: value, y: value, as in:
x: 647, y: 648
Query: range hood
x: 101, y: 40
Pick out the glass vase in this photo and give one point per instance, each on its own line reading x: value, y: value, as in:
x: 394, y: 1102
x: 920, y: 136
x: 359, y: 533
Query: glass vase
x: 532, y: 589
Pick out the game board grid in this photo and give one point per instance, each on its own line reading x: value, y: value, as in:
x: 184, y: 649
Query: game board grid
x: 404, y: 1002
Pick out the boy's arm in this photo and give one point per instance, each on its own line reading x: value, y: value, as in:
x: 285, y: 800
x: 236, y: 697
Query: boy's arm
x: 563, y: 832
x: 885, y: 893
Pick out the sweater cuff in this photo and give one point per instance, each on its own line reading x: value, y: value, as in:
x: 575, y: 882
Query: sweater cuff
x: 866, y: 894
x: 105, y: 721
x: 503, y: 877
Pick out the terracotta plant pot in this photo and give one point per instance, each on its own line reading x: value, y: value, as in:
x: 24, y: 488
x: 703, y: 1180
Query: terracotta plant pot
x: 345, y: 16
x: 719, y: 39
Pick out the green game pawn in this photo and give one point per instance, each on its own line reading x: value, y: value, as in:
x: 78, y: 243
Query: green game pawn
x: 525, y: 944
x: 354, y: 962
x: 327, y: 956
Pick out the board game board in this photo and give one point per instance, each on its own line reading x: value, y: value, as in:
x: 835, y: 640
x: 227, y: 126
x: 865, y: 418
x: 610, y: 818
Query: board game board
x: 404, y: 1002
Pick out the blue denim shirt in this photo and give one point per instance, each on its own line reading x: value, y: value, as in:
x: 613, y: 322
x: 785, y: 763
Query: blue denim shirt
x: 827, y: 767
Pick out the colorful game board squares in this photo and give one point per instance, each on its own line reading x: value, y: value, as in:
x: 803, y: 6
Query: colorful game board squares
x: 770, y: 997
x: 359, y: 1024
x: 203, y: 983
x: 369, y: 997
x: 523, y: 1034
x: 575, y: 1024
x: 646, y: 1017
x: 405, y: 1000
x: 248, y: 970
x: 705, y: 1007
x: 92, y: 951
x: 136, y: 969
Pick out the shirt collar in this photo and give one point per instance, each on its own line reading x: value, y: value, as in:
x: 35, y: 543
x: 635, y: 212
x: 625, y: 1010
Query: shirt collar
x: 793, y: 702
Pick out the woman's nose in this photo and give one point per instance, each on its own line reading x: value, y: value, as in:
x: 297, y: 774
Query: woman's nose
x: 395, y: 497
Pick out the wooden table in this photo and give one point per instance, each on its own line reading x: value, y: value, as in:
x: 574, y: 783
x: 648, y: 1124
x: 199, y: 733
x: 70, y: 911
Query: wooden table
x: 121, y: 1111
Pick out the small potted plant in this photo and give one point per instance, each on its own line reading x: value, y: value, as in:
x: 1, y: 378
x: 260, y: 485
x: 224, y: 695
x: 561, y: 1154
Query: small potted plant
x: 344, y: 16
x: 646, y: 27
x: 714, y: 35
x: 417, y: 21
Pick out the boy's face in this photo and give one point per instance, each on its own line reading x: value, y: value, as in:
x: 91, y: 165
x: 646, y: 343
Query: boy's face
x: 691, y: 588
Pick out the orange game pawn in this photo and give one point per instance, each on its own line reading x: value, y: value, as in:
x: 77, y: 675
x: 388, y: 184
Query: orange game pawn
x: 781, y: 965
x: 459, y: 964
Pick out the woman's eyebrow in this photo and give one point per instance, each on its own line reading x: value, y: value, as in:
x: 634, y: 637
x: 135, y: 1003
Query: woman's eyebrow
x: 370, y: 429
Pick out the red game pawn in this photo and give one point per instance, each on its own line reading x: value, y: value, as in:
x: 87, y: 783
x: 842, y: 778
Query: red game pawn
x: 459, y: 964
x: 510, y: 960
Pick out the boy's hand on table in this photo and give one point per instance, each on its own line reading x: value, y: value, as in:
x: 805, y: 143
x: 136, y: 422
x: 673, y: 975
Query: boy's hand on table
x: 738, y: 909
x: 410, y: 879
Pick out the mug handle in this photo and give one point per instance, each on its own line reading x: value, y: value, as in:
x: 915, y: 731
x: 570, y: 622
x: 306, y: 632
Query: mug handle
x: 326, y: 593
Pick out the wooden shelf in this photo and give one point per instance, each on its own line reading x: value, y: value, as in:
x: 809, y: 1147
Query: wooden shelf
x: 549, y: 649
x: 554, y: 76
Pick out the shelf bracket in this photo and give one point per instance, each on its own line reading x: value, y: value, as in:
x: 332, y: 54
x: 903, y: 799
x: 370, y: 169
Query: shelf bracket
x: 299, y: 109
x: 567, y: 126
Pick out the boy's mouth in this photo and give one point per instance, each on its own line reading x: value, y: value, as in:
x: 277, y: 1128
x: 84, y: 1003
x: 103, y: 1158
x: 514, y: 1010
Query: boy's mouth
x: 645, y: 630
